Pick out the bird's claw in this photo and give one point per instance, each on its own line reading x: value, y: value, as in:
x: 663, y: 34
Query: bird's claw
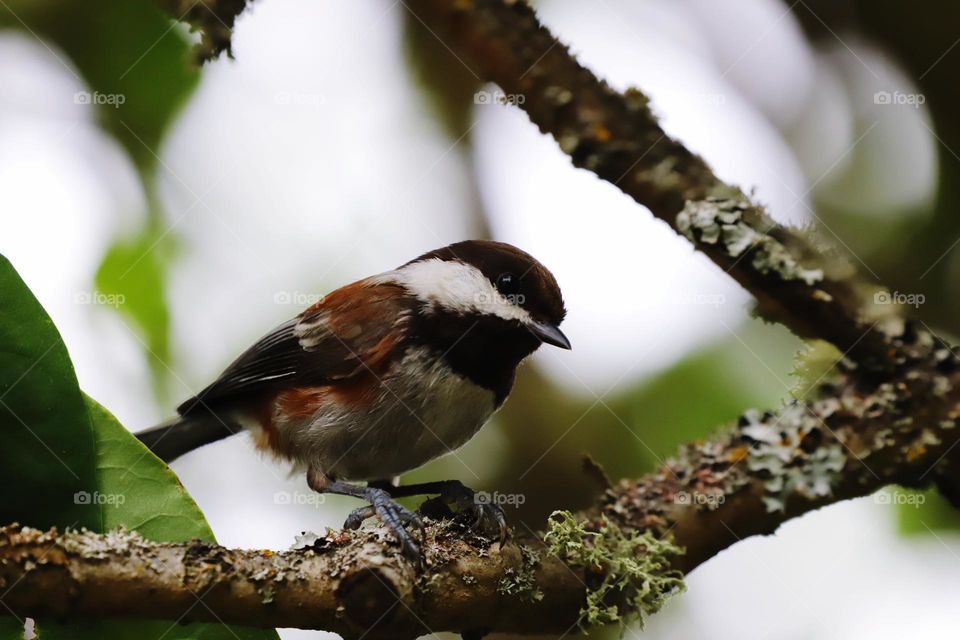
x: 357, y: 516
x: 394, y: 516
x: 486, y: 513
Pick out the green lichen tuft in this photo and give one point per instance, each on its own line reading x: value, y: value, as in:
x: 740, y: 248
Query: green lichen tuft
x: 522, y: 582
x: 628, y: 567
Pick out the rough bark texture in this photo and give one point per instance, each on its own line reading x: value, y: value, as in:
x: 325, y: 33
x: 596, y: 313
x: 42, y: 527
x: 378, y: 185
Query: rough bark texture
x: 886, y: 415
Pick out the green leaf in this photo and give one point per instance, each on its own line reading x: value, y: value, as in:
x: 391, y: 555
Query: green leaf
x: 133, y: 272
x: 922, y: 513
x: 139, y: 492
x: 73, y: 464
x: 49, y: 450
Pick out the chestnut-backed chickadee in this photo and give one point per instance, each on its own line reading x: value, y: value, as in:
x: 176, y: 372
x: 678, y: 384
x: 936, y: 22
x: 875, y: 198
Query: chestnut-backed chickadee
x: 383, y: 375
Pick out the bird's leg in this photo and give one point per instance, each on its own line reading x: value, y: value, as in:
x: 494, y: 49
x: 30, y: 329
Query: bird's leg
x: 382, y: 505
x: 455, y: 492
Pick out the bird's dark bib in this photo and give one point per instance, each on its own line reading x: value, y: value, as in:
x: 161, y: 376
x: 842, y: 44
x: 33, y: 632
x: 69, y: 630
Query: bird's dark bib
x: 484, y: 349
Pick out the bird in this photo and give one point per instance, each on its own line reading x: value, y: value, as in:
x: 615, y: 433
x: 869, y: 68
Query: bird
x: 380, y: 376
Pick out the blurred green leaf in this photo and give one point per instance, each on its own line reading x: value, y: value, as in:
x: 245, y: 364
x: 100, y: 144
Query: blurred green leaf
x: 630, y: 430
x: 129, y: 52
x: 73, y: 464
x: 134, y: 271
x: 136, y: 62
x: 10, y: 628
x: 924, y: 512
x: 698, y: 395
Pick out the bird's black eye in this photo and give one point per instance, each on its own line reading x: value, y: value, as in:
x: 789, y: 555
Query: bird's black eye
x: 508, y: 284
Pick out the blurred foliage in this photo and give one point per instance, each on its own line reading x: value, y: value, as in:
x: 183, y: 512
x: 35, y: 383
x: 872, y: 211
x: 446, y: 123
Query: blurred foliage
x: 631, y: 431
x: 75, y: 465
x: 126, y: 48
x: 135, y: 271
x: 931, y: 514
x: 132, y: 50
x: 10, y: 628
x: 917, y: 251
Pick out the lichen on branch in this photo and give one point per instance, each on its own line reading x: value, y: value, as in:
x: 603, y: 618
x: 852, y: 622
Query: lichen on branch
x: 629, y: 574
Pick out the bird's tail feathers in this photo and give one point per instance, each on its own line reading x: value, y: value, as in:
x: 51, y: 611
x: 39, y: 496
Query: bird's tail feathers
x: 171, y: 439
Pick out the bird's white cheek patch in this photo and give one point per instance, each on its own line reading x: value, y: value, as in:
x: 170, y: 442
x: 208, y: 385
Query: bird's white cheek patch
x: 458, y: 287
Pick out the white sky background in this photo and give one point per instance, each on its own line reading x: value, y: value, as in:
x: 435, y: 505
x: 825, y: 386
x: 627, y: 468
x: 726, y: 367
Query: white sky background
x: 310, y: 161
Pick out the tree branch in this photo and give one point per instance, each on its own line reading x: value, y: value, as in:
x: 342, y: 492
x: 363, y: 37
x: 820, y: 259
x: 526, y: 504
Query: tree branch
x: 849, y: 441
x: 617, y: 137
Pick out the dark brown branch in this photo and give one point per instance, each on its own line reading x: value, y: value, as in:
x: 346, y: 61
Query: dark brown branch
x: 617, y: 136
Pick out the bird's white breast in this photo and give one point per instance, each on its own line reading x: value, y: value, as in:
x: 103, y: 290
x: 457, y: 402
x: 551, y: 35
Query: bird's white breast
x: 420, y: 410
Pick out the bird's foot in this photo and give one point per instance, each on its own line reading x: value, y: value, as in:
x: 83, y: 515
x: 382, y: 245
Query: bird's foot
x: 487, y: 514
x: 394, y: 516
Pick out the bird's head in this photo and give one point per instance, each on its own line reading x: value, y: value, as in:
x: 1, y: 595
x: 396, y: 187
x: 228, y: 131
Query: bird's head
x: 491, y: 285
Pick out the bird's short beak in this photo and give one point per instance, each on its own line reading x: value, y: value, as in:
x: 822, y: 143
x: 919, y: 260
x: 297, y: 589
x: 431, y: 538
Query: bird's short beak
x: 550, y: 334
